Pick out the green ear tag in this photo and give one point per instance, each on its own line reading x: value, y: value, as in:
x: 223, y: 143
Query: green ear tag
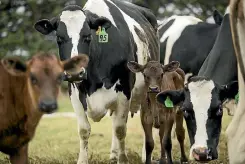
x: 168, y: 103
x: 103, y: 36
x: 237, y: 98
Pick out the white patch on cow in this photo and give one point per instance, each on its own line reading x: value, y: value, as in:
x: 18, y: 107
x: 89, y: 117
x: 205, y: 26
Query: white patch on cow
x: 142, y: 48
x: 174, y: 32
x: 200, y: 96
x: 99, y: 102
x: 74, y: 21
x: 100, y: 8
x: 187, y: 76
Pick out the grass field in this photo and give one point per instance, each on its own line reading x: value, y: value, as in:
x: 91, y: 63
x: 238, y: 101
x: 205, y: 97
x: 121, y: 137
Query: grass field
x: 56, y: 141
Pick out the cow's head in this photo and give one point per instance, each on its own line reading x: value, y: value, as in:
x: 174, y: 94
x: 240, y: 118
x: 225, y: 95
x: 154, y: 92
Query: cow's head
x: 153, y: 72
x: 202, y: 106
x: 44, y: 74
x: 73, y: 30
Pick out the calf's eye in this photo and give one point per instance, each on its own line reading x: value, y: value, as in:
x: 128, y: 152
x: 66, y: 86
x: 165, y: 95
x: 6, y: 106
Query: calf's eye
x: 33, y: 79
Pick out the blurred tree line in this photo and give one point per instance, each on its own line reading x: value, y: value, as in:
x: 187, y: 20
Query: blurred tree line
x: 17, y: 17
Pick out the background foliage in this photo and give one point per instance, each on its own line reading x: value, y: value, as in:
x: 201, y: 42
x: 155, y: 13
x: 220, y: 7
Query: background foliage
x: 17, y: 17
x: 18, y: 37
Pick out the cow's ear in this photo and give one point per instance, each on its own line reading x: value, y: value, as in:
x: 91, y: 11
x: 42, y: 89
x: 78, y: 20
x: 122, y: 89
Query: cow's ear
x: 76, y: 64
x: 218, y: 18
x: 46, y: 26
x: 14, y: 66
x: 172, y: 66
x: 176, y: 96
x: 135, y: 67
x: 94, y: 21
x: 229, y: 91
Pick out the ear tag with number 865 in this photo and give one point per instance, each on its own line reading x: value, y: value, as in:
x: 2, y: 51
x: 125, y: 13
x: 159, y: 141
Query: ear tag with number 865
x: 103, y: 36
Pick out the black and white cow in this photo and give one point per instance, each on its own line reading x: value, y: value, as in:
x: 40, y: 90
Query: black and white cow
x: 188, y: 40
x: 132, y: 36
x: 204, y: 95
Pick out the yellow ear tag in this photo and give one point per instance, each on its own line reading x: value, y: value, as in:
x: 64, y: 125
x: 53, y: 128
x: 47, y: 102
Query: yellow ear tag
x: 98, y: 31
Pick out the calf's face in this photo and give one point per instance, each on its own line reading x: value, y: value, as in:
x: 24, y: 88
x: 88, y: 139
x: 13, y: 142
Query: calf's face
x: 153, y: 72
x: 202, y: 106
x: 44, y: 74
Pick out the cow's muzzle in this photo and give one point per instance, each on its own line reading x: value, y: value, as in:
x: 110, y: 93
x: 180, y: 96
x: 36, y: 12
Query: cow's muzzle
x: 75, y: 78
x: 202, y: 154
x: 153, y: 89
x: 48, y: 106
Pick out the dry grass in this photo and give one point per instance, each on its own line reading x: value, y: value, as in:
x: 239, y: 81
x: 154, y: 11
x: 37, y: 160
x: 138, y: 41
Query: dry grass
x: 56, y: 141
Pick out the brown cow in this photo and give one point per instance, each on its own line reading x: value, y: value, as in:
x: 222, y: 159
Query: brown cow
x: 158, y: 78
x: 27, y: 91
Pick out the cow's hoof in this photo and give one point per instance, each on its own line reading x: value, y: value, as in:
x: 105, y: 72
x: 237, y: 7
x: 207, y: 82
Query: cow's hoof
x: 113, y: 160
x: 123, y: 159
x: 82, y: 162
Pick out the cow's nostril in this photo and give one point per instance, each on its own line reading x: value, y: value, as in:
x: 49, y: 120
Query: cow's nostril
x: 202, y: 154
x: 48, y: 106
x: 153, y: 88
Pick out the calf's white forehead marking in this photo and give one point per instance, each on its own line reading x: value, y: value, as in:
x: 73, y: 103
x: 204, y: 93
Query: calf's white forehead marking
x: 200, y: 97
x: 74, y: 21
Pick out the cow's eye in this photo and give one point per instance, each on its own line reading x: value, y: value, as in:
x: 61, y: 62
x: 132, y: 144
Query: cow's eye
x: 33, y: 79
x: 186, y: 114
x: 88, y: 38
x: 220, y: 111
x: 60, y: 39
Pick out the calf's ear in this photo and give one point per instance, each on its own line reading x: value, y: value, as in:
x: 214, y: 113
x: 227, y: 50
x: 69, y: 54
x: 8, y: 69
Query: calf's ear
x: 176, y: 96
x: 229, y: 91
x: 76, y: 64
x: 94, y: 21
x: 45, y: 26
x: 135, y: 67
x: 170, y: 67
x: 14, y: 66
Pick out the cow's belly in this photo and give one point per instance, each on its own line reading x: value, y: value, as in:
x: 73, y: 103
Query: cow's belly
x: 100, y: 101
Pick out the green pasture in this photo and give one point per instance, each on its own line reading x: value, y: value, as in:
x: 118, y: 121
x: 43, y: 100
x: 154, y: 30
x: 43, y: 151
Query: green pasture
x: 56, y: 141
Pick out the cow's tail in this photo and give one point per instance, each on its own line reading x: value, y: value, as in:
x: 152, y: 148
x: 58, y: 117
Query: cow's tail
x: 236, y: 19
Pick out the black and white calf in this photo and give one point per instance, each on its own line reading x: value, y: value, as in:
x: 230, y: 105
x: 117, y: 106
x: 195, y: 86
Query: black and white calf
x: 201, y: 101
x: 188, y: 40
x: 202, y: 98
x: 132, y: 36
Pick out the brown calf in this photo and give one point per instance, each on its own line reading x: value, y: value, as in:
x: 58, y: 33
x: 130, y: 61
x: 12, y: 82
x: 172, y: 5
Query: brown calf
x: 27, y: 91
x: 159, y: 78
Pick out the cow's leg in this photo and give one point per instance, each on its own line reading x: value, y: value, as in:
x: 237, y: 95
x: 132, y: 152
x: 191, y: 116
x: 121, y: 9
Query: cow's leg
x: 21, y: 156
x: 119, y: 121
x: 180, y: 132
x: 83, y: 125
x: 167, y: 142
x: 147, y: 123
x: 114, y: 148
x: 161, y: 134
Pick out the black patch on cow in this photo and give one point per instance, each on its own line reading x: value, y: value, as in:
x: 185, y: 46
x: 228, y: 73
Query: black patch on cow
x: 221, y: 64
x: 164, y: 28
x: 192, y: 47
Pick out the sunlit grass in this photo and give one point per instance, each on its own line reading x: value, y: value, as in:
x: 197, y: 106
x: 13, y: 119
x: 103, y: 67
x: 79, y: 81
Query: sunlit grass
x: 56, y: 141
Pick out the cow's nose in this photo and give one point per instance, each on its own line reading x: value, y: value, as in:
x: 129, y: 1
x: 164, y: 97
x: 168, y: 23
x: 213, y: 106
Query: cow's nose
x: 153, y: 88
x: 48, y: 106
x: 202, y: 154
